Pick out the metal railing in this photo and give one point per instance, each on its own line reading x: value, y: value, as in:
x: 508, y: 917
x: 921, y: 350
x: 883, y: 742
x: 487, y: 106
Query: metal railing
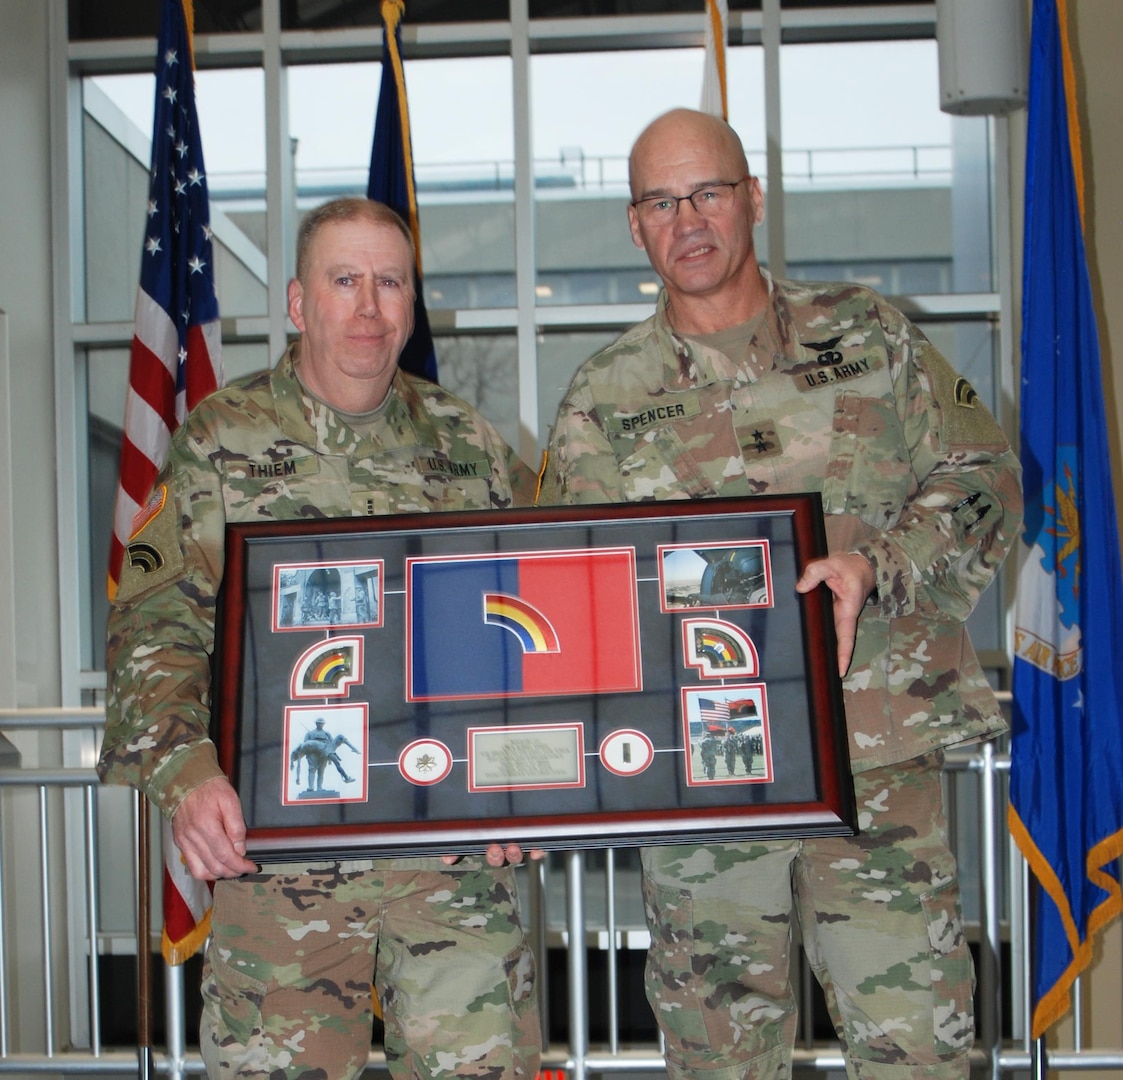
x: 58, y: 874
x: 573, y: 172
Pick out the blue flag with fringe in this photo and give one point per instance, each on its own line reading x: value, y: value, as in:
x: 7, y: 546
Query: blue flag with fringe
x: 391, y: 177
x: 1066, y: 771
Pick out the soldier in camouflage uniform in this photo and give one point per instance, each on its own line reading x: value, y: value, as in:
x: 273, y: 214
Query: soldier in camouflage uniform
x: 335, y: 429
x: 743, y: 385
x: 708, y: 750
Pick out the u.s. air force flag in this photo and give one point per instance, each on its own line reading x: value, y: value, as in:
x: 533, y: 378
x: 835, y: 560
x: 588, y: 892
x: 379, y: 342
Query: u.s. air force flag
x: 537, y: 623
x: 1066, y: 771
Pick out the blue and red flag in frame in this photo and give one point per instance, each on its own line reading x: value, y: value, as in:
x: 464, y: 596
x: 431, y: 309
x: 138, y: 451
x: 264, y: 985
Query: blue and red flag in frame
x: 535, y: 623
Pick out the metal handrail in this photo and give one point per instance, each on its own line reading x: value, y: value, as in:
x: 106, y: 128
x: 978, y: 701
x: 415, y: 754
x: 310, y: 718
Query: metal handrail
x: 579, y: 1057
x: 607, y: 174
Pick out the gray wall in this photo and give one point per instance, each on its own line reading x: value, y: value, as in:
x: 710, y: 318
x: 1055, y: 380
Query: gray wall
x: 29, y: 666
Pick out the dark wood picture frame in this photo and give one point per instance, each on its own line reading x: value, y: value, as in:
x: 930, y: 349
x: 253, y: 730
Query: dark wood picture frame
x: 627, y: 674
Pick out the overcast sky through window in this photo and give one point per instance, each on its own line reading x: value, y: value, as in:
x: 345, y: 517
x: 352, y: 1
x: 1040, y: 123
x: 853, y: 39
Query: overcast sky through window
x: 835, y: 96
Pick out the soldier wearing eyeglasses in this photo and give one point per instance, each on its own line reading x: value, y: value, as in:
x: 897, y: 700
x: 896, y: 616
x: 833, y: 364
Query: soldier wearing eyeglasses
x: 743, y: 384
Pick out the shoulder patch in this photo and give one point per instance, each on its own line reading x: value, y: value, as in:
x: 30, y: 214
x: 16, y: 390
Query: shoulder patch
x: 965, y: 419
x: 153, y: 556
x: 965, y: 394
x: 149, y: 510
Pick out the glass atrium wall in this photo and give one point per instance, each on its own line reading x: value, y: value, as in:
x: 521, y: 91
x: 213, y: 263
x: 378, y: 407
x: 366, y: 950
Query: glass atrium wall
x: 522, y: 114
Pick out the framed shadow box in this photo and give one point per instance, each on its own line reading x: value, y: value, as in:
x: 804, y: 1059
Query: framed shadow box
x: 557, y: 677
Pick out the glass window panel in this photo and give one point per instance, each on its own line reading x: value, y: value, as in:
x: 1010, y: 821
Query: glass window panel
x: 483, y: 370
x: 331, y: 122
x: 587, y: 109
x: 460, y: 118
x: 463, y: 151
x: 463, y: 137
x: 468, y: 290
x: 882, y: 180
x: 117, y: 133
x: 885, y: 96
x: 559, y: 357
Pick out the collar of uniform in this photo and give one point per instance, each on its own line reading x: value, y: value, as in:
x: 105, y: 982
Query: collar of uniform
x: 288, y: 397
x: 316, y: 424
x: 801, y: 315
x: 776, y: 342
x: 688, y: 363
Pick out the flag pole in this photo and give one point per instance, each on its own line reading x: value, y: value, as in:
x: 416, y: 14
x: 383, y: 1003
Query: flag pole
x: 143, y: 937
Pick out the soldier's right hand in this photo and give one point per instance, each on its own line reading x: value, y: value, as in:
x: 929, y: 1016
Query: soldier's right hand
x: 211, y: 832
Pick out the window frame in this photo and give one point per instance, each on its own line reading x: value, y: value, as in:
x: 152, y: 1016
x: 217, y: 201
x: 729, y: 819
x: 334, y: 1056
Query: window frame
x: 274, y: 51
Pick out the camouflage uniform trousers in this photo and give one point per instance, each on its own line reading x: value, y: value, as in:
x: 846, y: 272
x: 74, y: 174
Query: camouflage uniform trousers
x: 287, y: 980
x: 881, y: 924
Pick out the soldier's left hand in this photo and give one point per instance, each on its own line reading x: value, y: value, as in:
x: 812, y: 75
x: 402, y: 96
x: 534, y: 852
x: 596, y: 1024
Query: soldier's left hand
x: 851, y: 579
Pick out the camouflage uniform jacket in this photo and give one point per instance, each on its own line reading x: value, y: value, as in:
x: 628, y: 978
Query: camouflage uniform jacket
x: 261, y: 449
x: 838, y: 394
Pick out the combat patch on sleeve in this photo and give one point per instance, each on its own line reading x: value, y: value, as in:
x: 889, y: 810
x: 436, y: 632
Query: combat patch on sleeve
x: 965, y: 393
x: 966, y: 420
x: 153, y: 555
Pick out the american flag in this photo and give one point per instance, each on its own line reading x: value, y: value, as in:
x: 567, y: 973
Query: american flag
x: 175, y: 361
x: 713, y: 712
x: 176, y: 355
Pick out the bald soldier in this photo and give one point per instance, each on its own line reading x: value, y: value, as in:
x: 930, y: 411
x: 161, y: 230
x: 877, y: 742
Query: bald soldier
x: 296, y: 947
x: 739, y: 385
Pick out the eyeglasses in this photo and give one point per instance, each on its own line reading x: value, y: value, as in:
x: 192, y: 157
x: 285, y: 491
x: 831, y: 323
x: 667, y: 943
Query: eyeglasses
x: 711, y: 200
